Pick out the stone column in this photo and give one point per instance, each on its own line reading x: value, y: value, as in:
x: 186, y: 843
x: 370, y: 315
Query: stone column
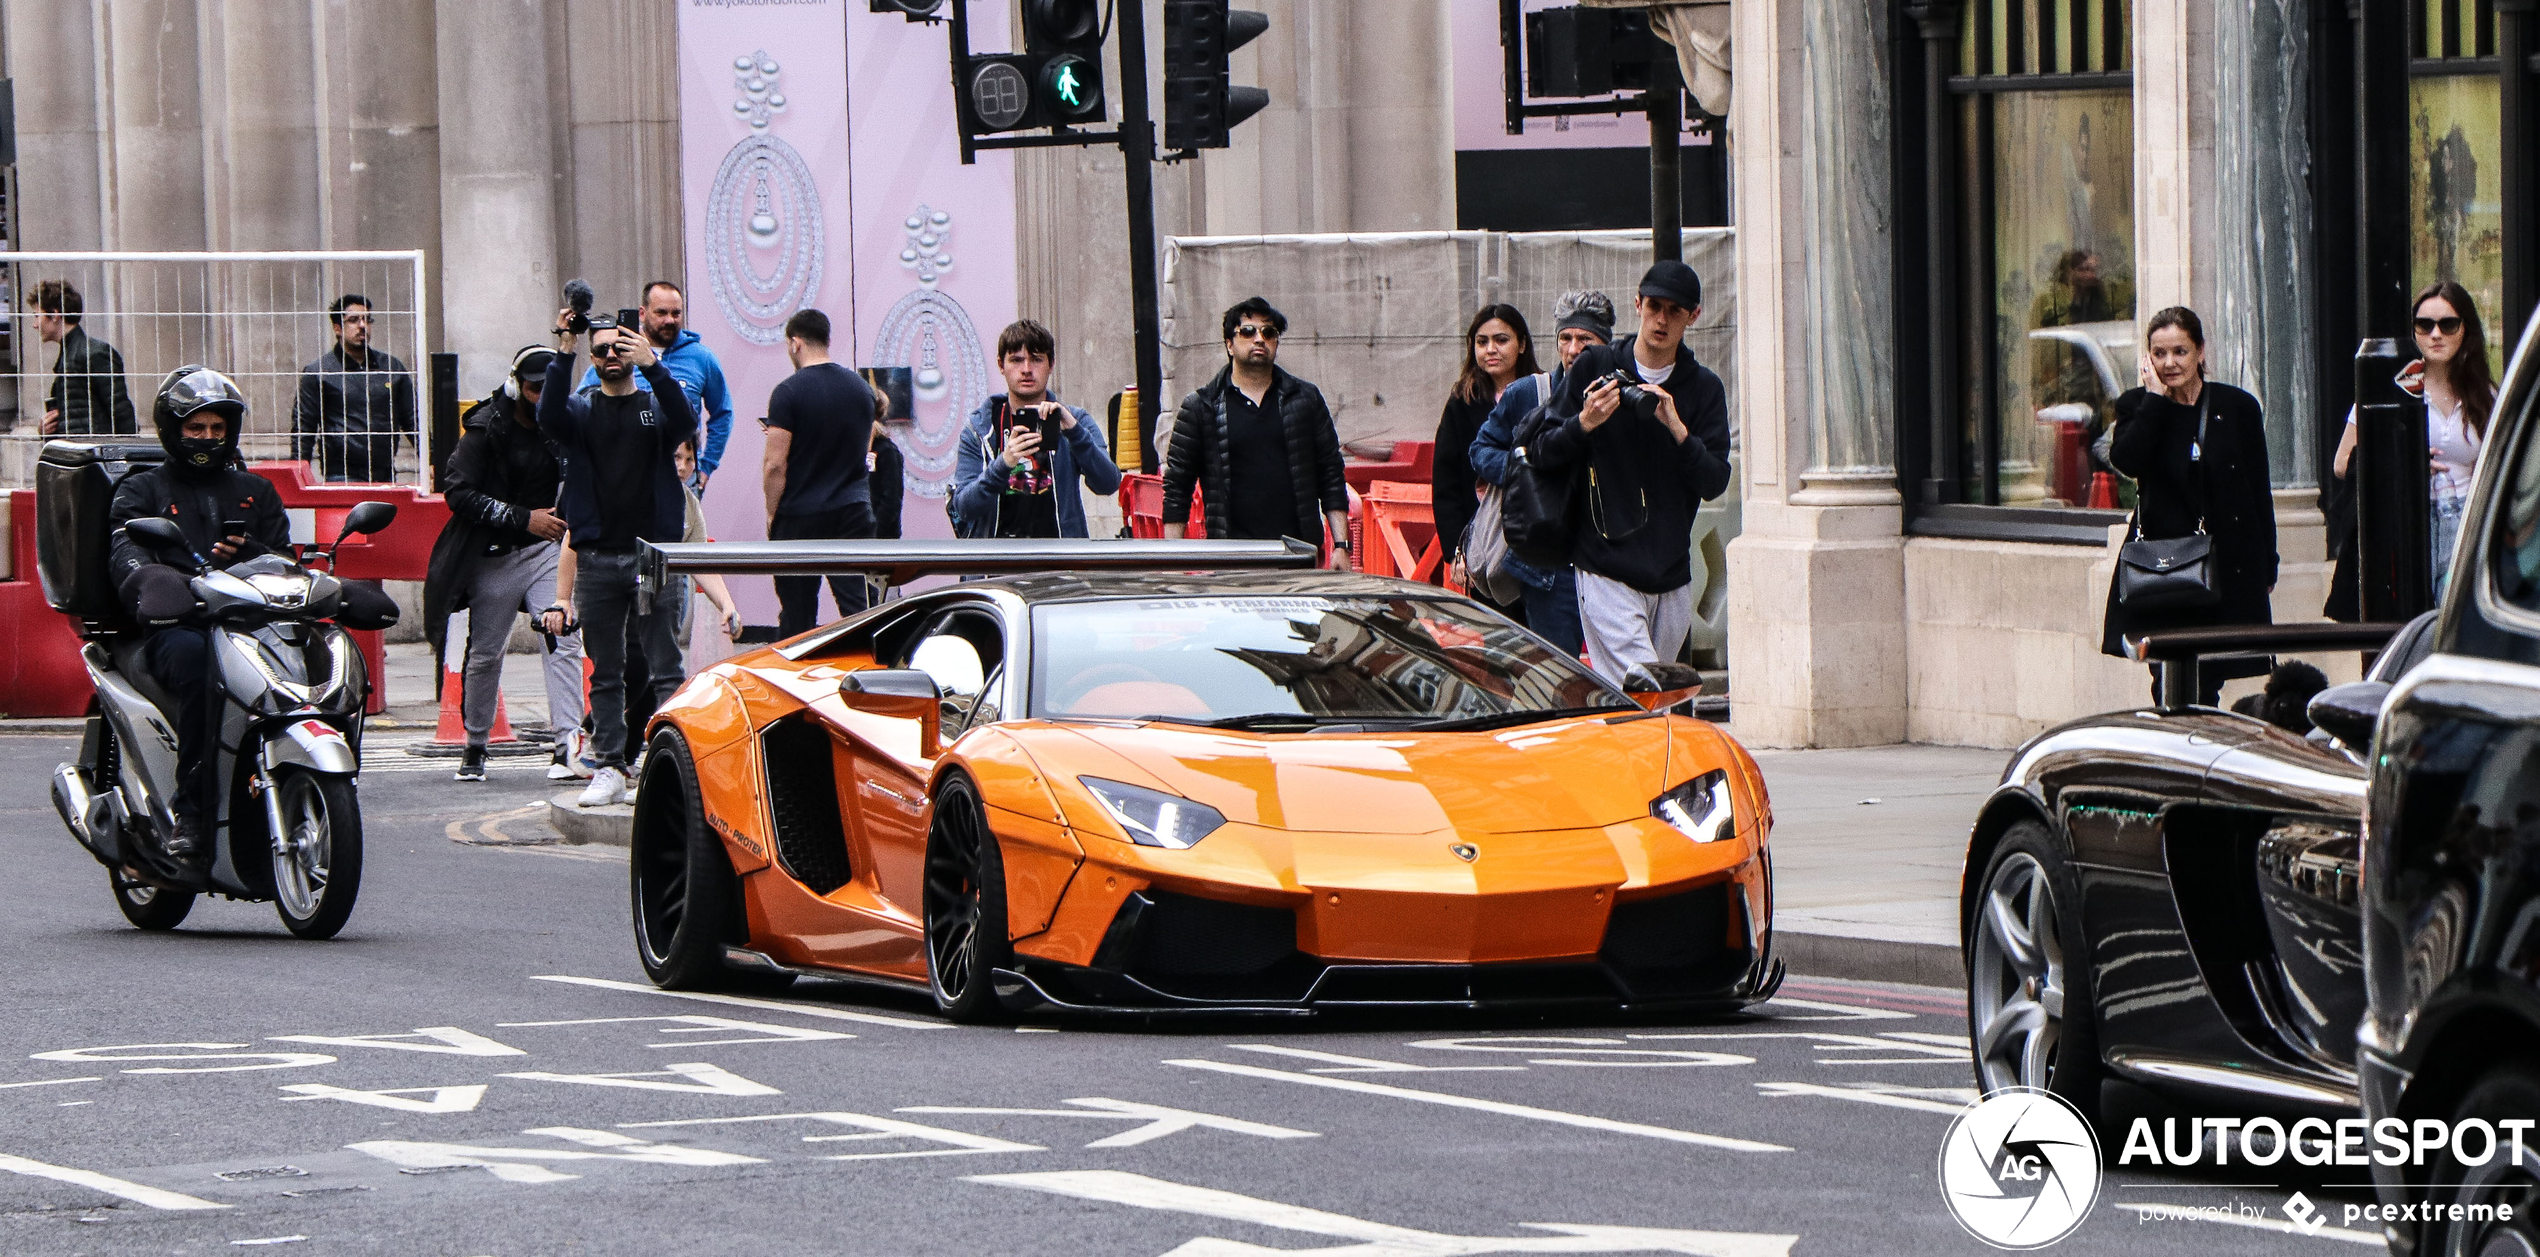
x: 378, y: 101
x: 2170, y: 161
x: 1817, y: 632
x: 498, y: 217
x: 1359, y: 135
x: 156, y: 199
x: 65, y: 143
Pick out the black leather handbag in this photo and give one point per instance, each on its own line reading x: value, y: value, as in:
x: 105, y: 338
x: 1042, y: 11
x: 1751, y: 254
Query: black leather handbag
x: 2171, y: 573
x: 1538, y: 508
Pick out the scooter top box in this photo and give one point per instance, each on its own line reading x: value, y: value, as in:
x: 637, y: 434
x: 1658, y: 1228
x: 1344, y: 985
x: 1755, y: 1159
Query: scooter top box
x: 74, y: 487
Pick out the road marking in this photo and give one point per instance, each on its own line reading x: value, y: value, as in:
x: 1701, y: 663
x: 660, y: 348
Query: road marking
x: 1943, y: 1051
x: 1598, y: 1049
x: 1841, y: 1012
x: 1959, y: 1042
x: 1376, y: 1239
x: 1159, y: 1120
x: 959, y: 1143
x: 442, y: 1100
x: 1502, y: 1108
x: 520, y: 1165
x: 490, y: 831
x: 137, y: 1193
x: 1888, y: 1098
x: 270, y: 1239
x: 703, y: 1079
x: 200, y: 1052
x: 47, y: 1082
x: 444, y: 1039
x: 2164, y: 1211
x: 756, y: 1031
x: 1368, y: 1065
x: 743, y: 1001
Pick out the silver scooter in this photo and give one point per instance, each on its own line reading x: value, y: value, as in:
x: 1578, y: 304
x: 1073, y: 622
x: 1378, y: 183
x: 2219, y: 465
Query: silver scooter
x: 284, y: 822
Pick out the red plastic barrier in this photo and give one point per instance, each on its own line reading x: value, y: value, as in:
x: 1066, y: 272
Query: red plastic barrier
x: 40, y: 671
x: 1142, y: 500
x: 1412, y: 461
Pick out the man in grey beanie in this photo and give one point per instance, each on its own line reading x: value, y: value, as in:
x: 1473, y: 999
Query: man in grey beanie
x: 1582, y: 320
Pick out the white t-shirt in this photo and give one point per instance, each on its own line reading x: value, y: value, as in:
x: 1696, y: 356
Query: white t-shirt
x: 1653, y: 375
x: 2447, y: 434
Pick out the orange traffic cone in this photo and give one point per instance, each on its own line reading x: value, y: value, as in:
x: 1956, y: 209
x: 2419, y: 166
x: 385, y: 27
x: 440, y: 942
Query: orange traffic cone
x: 2103, y: 491
x: 452, y: 729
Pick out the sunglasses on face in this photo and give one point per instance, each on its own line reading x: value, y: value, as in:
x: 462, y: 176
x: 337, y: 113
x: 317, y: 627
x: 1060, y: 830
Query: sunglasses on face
x: 2449, y: 327
x: 1250, y: 332
x: 604, y: 351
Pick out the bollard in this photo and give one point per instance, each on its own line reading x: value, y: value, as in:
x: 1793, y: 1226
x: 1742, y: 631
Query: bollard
x: 2390, y: 473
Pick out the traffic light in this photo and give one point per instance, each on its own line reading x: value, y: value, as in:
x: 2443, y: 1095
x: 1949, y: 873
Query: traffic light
x: 1200, y: 105
x: 1067, y: 36
x: 1588, y: 52
x: 912, y: 10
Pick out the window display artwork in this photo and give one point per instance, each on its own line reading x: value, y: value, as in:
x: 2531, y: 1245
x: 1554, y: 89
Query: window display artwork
x: 2455, y: 214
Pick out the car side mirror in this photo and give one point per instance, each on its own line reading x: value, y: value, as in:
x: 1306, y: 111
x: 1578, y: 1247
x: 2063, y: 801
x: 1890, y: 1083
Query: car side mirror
x: 368, y: 518
x: 901, y: 694
x: 2349, y: 712
x: 1660, y: 685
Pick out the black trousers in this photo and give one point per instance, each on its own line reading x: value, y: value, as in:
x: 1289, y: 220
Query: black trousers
x: 180, y: 660
x: 798, y: 597
x: 604, y: 595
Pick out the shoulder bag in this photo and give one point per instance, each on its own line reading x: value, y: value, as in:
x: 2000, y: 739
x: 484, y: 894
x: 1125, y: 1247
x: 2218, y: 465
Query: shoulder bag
x: 1537, y: 508
x: 2171, y: 573
x: 1486, y: 539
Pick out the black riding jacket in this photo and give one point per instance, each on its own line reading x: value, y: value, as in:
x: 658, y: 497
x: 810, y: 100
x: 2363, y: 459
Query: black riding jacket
x: 198, y: 505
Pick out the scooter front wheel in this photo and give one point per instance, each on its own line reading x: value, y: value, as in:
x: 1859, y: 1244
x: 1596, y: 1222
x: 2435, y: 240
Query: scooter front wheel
x: 317, y: 859
x: 148, y: 906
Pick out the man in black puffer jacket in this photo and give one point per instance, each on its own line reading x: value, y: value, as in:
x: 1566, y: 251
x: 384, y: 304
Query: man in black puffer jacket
x: 227, y: 513
x: 1260, y: 445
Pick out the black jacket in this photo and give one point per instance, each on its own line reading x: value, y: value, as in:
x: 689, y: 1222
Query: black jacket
x: 351, y: 412
x: 2228, y: 490
x: 561, y: 416
x: 1453, y: 488
x: 1639, y: 488
x: 88, y: 388
x: 198, y: 506
x: 1202, y: 454
x: 500, y: 472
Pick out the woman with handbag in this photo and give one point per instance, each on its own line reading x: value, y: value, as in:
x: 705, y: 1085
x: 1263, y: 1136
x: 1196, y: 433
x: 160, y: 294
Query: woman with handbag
x: 2201, y: 549
x: 1498, y: 351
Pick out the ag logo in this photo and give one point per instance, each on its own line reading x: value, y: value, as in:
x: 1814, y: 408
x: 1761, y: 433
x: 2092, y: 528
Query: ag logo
x: 2020, y: 1168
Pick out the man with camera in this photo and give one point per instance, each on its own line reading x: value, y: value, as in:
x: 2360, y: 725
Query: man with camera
x: 1646, y: 443
x: 1023, y: 454
x: 1260, y: 445
x: 685, y: 356
x: 621, y: 489
x: 355, y: 403
x: 816, y: 468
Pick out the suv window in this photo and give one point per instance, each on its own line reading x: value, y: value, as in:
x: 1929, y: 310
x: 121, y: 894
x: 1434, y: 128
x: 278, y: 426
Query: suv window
x: 2516, y: 550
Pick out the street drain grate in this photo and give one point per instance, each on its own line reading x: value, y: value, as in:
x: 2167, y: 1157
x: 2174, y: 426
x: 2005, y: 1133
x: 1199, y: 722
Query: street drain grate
x: 305, y: 1192
x: 262, y: 1171
x: 435, y: 1169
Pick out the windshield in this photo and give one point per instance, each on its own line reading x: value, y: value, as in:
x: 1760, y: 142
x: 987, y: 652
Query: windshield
x: 1273, y: 661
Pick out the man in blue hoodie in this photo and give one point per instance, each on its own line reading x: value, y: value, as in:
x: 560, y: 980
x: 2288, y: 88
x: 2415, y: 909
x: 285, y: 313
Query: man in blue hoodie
x: 699, y: 372
x: 1005, y: 484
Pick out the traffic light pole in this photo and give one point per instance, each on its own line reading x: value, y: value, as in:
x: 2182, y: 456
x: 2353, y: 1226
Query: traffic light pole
x: 1137, y: 145
x: 1666, y: 164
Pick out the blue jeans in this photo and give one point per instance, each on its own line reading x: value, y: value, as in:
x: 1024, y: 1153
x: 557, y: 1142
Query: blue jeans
x: 1552, y: 610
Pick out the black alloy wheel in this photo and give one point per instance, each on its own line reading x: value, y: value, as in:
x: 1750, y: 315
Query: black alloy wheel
x: 2509, y: 1091
x: 687, y: 902
x: 148, y: 906
x: 2029, y: 1010
x: 965, y: 906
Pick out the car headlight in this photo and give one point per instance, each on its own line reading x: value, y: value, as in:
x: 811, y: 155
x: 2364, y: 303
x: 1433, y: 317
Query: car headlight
x: 1153, y: 818
x: 1699, y: 809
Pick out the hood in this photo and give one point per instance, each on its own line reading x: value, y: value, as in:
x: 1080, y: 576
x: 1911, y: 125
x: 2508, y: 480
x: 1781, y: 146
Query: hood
x: 1574, y: 774
x: 685, y: 338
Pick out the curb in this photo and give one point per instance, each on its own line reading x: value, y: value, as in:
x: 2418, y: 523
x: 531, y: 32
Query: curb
x: 50, y: 726
x: 1870, y: 959
x: 611, y: 826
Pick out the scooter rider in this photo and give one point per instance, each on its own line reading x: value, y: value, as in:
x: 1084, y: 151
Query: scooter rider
x: 227, y: 514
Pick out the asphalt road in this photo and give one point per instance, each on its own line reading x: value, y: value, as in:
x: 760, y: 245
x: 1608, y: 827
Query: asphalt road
x: 476, y: 1067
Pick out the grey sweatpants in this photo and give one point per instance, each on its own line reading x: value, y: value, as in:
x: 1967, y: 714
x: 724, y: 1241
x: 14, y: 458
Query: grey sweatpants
x: 1625, y: 627
x: 500, y: 588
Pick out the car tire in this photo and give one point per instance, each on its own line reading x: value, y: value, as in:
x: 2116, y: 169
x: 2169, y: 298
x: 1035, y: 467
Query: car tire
x: 680, y: 885
x: 2030, y: 1013
x: 147, y: 906
x: 965, y: 905
x: 2505, y: 1093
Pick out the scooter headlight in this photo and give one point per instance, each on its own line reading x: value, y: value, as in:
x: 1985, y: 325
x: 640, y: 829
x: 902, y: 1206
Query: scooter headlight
x: 1699, y: 809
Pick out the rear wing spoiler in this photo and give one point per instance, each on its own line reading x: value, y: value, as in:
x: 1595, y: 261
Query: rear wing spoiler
x: 2173, y: 654
x: 899, y: 562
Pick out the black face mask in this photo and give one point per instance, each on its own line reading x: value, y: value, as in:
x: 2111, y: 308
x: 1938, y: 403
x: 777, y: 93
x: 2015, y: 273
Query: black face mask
x: 201, y: 455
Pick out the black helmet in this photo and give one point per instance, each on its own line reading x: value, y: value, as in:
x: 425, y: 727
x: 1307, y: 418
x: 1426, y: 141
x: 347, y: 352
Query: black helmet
x: 185, y: 392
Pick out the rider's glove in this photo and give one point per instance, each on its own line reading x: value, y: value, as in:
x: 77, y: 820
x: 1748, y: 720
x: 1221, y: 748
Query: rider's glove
x: 159, y: 594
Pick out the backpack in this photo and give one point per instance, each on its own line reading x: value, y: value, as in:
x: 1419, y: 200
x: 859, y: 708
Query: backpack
x: 1537, y: 507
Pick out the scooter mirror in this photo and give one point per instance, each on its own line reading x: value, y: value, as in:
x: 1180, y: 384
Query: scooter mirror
x: 369, y: 517
x: 151, y: 530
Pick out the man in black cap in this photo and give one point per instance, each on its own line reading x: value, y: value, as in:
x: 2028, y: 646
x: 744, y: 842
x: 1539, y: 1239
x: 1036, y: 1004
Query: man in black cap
x: 1643, y: 469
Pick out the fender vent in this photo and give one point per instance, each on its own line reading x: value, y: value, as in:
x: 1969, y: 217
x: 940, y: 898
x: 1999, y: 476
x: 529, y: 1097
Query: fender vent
x: 802, y: 804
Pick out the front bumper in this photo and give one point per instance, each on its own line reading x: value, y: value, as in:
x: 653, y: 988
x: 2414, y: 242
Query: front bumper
x: 2382, y: 1085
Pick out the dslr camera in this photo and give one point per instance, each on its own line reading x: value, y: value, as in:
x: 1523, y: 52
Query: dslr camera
x: 1638, y: 399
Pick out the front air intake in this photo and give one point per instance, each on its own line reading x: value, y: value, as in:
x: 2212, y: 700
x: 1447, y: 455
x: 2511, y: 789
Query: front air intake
x: 802, y: 803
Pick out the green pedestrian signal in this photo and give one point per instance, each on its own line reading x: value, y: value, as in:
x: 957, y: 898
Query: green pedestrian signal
x: 1071, y: 88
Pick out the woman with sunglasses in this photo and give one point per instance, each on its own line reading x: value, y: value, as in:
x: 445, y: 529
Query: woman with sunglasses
x: 2451, y: 374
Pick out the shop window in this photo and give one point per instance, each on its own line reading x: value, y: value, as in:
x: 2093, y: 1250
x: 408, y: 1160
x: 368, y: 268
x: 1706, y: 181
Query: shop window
x: 2456, y: 158
x: 2045, y: 115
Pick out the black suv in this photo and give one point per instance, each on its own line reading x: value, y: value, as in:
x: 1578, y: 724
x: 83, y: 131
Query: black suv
x: 2451, y: 883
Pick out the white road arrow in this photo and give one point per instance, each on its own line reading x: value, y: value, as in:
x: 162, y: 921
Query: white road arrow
x: 1375, y: 1239
x: 463, y: 1099
x: 1158, y: 1120
x: 445, y: 1039
x: 702, y: 1079
x: 521, y: 1165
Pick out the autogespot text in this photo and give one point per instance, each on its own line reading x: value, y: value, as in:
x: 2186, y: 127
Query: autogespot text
x: 2391, y: 1141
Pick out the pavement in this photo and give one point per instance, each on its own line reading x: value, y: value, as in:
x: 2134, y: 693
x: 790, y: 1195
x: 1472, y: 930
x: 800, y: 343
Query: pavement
x: 477, y: 1068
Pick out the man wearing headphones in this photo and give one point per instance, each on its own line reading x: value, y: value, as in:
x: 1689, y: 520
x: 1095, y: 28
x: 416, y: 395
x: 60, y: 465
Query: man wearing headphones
x: 498, y: 558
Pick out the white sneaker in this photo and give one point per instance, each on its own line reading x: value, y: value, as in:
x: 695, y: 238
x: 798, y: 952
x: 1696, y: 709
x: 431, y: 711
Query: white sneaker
x: 634, y: 781
x: 572, y: 758
x: 607, y: 786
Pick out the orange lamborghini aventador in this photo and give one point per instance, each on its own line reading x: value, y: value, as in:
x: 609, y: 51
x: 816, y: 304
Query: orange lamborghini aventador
x: 1114, y: 784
